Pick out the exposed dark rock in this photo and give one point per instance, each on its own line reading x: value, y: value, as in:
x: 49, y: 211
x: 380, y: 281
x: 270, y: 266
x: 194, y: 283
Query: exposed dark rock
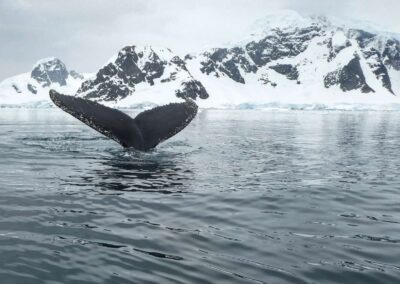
x: 239, y: 56
x: 32, y: 89
x: 16, y: 88
x: 172, y: 77
x: 288, y: 70
x: 126, y: 66
x: 229, y: 67
x: 281, y: 44
x: 391, y: 53
x: 153, y: 67
x: 237, y: 61
x: 179, y: 62
x: 188, y: 57
x: 350, y: 77
x: 362, y: 37
x: 227, y: 61
x: 378, y: 68
x: 134, y: 66
x: 334, y: 50
x: 332, y: 79
x: 50, y: 71
x: 251, y: 60
x: 265, y: 80
x: 117, y: 79
x: 192, y: 89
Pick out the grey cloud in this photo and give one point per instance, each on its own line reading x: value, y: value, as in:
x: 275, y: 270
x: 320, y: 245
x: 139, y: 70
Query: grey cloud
x: 84, y: 34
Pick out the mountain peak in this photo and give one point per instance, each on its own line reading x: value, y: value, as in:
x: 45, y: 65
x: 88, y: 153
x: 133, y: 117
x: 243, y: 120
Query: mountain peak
x: 289, y: 19
x: 136, y: 67
x: 46, y: 60
x: 287, y: 55
x: 287, y: 49
x: 46, y: 73
x: 281, y: 19
x: 50, y: 70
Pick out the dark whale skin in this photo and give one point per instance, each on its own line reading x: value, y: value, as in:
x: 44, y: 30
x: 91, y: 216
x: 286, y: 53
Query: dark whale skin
x: 144, y: 132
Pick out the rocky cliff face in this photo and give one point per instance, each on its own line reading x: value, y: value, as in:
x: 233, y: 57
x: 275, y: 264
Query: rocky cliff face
x: 135, y: 67
x: 349, y: 77
x: 284, y: 54
x: 49, y: 71
x: 291, y: 55
x: 46, y: 74
x: 308, y: 51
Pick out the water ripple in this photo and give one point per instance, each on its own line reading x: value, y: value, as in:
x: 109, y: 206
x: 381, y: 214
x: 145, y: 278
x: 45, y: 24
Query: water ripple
x: 238, y: 197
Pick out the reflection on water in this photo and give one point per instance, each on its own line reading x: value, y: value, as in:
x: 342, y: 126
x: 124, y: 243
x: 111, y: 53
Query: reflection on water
x: 129, y: 170
x: 238, y: 197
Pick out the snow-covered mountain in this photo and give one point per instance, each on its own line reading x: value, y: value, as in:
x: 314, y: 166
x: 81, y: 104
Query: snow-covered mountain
x: 142, y: 74
x: 293, y: 59
x: 33, y: 87
x: 285, y: 60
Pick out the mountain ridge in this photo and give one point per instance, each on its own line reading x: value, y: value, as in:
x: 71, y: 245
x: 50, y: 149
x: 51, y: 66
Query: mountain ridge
x: 285, y: 58
x: 34, y: 86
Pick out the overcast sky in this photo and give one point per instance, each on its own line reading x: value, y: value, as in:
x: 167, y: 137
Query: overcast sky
x: 86, y: 33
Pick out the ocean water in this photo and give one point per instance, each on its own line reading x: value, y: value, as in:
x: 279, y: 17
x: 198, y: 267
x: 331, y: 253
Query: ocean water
x: 237, y: 197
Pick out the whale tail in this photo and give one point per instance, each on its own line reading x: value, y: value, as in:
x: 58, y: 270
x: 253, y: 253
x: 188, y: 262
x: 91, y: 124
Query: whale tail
x: 144, y: 132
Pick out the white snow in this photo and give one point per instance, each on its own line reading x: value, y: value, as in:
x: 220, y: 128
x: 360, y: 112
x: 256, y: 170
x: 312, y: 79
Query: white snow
x: 145, y: 96
x: 282, y: 19
x: 44, y: 60
x: 347, y: 23
x: 312, y: 65
x: 11, y: 97
x: 339, y: 39
x: 224, y: 92
x: 395, y: 80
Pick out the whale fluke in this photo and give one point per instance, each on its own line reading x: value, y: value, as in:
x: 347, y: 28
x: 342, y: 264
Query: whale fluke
x: 144, y: 132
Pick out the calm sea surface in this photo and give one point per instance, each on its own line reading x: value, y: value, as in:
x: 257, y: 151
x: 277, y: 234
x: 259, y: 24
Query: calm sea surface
x: 237, y: 197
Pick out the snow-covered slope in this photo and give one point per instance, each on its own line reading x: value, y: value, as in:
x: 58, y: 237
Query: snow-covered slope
x: 32, y: 89
x: 291, y: 59
x: 286, y: 60
x: 142, y: 75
